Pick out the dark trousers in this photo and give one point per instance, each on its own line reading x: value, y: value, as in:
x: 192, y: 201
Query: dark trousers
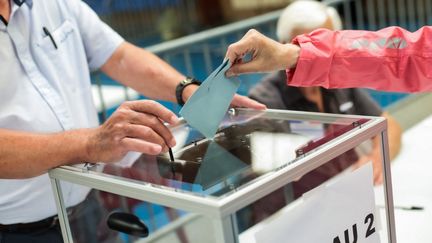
x: 87, y: 221
x: 51, y: 235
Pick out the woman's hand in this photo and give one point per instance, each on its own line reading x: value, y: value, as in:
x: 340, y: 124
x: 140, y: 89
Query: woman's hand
x: 266, y: 54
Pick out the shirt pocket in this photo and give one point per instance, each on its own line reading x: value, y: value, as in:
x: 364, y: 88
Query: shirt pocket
x: 65, y: 66
x: 59, y: 38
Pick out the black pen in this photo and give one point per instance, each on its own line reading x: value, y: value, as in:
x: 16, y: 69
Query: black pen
x: 172, y: 160
x: 413, y: 208
x: 46, y: 31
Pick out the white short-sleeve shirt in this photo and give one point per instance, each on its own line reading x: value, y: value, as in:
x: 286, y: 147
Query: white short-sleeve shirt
x: 45, y: 89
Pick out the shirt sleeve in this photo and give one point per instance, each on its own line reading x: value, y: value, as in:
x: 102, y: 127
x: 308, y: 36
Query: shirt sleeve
x: 364, y: 104
x: 391, y: 59
x: 100, y: 41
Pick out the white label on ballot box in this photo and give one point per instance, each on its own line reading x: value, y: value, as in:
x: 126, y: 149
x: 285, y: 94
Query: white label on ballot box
x: 340, y: 211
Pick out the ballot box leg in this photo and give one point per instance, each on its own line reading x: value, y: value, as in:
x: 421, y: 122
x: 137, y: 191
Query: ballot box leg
x: 225, y: 229
x: 61, y: 211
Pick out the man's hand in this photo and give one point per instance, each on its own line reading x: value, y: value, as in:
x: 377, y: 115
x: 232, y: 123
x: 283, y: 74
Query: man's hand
x: 267, y: 55
x: 134, y: 126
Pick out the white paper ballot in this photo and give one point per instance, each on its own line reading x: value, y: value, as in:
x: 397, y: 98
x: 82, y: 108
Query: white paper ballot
x: 340, y: 211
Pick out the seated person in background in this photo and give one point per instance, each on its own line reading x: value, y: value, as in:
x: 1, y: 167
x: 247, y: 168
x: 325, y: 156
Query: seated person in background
x: 303, y: 17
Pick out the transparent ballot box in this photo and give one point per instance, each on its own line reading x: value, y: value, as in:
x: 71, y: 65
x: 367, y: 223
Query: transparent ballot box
x: 266, y: 176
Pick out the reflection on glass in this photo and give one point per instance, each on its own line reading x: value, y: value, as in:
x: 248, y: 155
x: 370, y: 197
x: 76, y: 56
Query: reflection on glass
x: 217, y: 165
x: 247, y: 146
x: 272, y: 150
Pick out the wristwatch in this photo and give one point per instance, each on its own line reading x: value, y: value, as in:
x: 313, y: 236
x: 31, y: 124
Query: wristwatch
x: 180, y: 87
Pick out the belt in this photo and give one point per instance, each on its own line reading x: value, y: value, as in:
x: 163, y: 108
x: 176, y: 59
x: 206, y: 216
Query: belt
x: 24, y: 228
x: 44, y: 224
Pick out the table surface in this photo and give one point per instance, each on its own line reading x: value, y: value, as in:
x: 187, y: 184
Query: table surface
x: 412, y: 184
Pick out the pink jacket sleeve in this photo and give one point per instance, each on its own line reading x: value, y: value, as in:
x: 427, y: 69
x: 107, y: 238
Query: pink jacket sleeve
x: 391, y: 59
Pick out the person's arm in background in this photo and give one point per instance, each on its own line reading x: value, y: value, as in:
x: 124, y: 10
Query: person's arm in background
x: 364, y: 104
x: 394, y: 132
x: 391, y: 59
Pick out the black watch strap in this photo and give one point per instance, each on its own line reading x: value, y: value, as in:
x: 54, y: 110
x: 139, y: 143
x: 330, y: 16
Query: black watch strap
x: 181, y: 86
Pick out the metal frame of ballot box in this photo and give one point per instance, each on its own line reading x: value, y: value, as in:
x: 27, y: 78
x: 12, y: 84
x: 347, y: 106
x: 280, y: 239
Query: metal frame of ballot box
x: 221, y: 211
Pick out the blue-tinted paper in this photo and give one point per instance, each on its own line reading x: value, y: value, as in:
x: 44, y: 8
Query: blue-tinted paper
x: 217, y: 166
x: 206, y: 108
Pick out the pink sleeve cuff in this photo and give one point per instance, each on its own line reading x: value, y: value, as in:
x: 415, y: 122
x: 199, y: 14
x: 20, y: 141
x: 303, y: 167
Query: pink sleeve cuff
x: 313, y: 64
